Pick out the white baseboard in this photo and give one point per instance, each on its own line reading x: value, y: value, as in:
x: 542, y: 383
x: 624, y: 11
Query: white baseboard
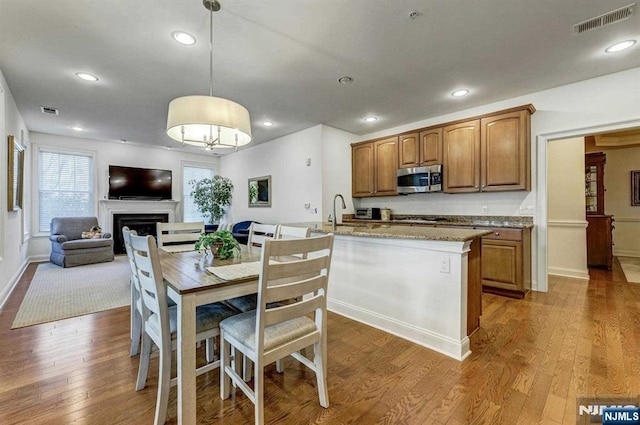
x: 625, y: 253
x: 574, y: 273
x: 458, y: 350
x: 39, y: 258
x: 6, y: 292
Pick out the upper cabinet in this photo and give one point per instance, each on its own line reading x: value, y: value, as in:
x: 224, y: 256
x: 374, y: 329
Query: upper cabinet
x: 488, y: 154
x: 461, y: 157
x: 505, y: 152
x: 419, y: 149
x: 374, y: 168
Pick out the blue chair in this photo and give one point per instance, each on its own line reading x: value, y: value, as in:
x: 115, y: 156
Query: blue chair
x: 240, y: 231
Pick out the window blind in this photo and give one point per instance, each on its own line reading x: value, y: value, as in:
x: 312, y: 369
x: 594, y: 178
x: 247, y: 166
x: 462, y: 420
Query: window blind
x: 189, y: 209
x: 65, y: 186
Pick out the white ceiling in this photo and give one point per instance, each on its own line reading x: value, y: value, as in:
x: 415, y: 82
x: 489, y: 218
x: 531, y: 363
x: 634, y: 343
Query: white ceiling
x: 281, y: 59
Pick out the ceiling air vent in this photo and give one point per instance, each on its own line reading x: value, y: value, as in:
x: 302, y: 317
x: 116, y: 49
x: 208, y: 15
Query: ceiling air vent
x: 606, y: 19
x: 49, y: 110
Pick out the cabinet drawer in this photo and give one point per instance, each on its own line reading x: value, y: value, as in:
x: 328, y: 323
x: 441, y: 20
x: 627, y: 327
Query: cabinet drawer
x: 501, y: 234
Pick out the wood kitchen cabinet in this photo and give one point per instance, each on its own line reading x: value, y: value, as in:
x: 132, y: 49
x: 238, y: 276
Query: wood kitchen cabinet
x: 506, y: 262
x: 461, y: 157
x: 420, y: 149
x: 600, y: 241
x: 374, y: 168
x: 488, y: 154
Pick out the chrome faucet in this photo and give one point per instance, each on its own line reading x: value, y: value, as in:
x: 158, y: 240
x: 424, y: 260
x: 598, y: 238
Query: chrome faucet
x: 335, y: 217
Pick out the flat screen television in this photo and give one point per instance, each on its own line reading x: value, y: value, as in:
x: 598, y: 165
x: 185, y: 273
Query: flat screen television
x: 139, y: 183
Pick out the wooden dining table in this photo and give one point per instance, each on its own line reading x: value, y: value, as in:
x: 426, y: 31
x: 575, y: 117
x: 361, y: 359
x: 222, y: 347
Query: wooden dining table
x: 189, y: 284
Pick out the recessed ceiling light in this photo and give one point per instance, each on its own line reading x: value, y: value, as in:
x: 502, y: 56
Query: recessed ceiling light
x: 345, y: 80
x: 77, y: 128
x: 460, y: 93
x: 267, y: 123
x: 183, y: 38
x: 86, y: 76
x: 623, y: 45
x: 371, y: 119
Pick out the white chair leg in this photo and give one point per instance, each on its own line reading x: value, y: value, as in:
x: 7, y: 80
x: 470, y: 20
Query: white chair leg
x: 279, y: 366
x: 136, y: 324
x: 247, y: 368
x: 258, y: 392
x: 225, y: 361
x: 143, y: 368
x: 211, y: 350
x: 164, y: 384
x: 319, y: 361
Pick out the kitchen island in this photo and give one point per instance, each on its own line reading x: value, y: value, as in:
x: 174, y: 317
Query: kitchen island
x: 419, y: 283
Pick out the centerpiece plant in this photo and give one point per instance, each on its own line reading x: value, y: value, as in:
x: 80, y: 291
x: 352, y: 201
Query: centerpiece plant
x: 221, y: 243
x: 211, y: 196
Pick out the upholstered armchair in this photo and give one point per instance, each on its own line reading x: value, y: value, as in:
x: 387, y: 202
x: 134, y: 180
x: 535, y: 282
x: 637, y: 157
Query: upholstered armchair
x: 69, y: 248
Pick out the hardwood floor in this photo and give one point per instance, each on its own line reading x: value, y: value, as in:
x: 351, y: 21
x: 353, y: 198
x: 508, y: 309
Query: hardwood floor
x: 530, y: 359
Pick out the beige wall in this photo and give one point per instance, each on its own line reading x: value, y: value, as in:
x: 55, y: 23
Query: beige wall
x: 567, y: 250
x: 617, y: 181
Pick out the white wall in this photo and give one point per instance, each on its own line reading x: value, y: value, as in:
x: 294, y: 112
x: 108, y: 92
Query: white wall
x: 336, y: 170
x: 566, y: 208
x: 293, y: 183
x: 617, y: 200
x: 105, y: 154
x: 13, y: 247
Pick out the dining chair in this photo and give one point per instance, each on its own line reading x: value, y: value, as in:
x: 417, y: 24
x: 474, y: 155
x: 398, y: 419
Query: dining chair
x: 258, y: 233
x: 160, y: 321
x: 136, y: 302
x: 273, y: 332
x: 178, y: 236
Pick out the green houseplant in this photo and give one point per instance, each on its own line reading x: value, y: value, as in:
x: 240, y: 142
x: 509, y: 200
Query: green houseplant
x: 221, y: 243
x: 211, y: 196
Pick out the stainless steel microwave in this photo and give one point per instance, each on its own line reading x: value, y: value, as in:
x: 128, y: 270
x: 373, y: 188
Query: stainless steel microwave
x: 420, y: 179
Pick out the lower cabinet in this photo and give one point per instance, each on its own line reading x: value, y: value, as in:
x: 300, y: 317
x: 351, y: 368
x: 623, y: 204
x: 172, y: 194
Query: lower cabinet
x: 506, y: 262
x: 600, y: 241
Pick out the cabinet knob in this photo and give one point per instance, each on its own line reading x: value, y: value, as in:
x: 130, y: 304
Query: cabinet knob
x: 497, y: 233
x: 484, y: 185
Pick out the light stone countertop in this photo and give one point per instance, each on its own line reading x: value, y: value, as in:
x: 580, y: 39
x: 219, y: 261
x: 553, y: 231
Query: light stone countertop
x: 376, y: 230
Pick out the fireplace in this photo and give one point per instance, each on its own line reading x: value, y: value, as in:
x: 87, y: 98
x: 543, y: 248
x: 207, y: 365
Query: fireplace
x: 144, y: 224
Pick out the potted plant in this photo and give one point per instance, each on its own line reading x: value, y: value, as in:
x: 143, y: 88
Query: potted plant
x: 211, y: 196
x: 221, y: 243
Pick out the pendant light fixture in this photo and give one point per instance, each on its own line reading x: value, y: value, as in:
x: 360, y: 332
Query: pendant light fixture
x: 207, y: 121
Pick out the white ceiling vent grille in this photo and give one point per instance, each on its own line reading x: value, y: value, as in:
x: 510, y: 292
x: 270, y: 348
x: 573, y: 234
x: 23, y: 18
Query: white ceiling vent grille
x: 49, y: 110
x: 606, y: 19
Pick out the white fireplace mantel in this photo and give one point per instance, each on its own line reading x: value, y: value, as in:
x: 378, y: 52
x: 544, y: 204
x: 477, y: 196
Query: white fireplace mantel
x: 109, y: 207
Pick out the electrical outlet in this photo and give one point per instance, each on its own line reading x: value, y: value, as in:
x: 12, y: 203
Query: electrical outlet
x: 307, y: 205
x: 485, y: 210
x: 526, y: 209
x: 445, y: 265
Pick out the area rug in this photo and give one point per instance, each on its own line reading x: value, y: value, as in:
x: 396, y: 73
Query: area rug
x: 56, y: 293
x: 631, y: 268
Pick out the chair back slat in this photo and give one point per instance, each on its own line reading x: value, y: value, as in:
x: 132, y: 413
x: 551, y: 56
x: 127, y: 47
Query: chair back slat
x: 258, y: 233
x: 291, y: 232
x: 291, y: 311
x: 298, y: 246
x: 288, y: 291
x: 178, y: 233
x: 297, y: 268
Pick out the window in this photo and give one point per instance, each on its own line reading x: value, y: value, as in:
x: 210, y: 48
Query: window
x: 193, y: 172
x: 65, y: 186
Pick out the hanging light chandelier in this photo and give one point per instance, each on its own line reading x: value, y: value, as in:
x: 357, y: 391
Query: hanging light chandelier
x: 207, y: 121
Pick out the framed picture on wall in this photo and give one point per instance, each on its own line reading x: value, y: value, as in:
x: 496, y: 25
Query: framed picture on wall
x: 260, y: 191
x: 635, y: 188
x: 15, y: 175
